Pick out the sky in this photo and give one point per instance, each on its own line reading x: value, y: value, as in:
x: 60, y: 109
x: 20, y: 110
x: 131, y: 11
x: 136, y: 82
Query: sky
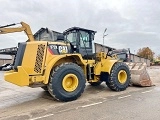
x: 130, y: 24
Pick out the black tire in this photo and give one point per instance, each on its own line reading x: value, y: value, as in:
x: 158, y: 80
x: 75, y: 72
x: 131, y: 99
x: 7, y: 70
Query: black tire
x: 114, y: 82
x: 57, y: 76
x: 95, y: 83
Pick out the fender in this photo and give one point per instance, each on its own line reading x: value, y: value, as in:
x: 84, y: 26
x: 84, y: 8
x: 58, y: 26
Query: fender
x: 107, y: 65
x: 77, y: 57
x: 104, y: 66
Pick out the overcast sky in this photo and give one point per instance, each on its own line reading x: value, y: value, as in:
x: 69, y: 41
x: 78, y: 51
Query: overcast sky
x: 131, y: 23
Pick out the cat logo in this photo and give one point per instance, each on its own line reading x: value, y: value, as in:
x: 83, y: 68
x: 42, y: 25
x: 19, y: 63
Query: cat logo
x: 63, y: 49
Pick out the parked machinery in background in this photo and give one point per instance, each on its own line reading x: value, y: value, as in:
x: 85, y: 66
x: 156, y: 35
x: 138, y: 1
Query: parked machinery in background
x: 4, y: 65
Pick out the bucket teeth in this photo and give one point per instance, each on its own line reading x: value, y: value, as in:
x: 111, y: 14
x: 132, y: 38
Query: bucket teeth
x: 139, y: 74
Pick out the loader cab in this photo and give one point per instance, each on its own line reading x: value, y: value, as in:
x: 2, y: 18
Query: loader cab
x: 81, y: 40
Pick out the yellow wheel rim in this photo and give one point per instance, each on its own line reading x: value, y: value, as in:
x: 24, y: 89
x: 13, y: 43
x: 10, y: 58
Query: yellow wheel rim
x: 70, y: 82
x: 122, y: 76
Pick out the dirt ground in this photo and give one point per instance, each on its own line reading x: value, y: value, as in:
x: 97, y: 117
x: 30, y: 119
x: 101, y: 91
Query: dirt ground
x: 25, y: 103
x: 154, y: 73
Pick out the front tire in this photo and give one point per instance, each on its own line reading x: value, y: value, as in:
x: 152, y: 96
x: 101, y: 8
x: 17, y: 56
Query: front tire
x: 67, y: 82
x: 119, y: 77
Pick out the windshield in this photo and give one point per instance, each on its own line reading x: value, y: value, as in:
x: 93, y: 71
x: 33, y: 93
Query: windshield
x: 84, y: 39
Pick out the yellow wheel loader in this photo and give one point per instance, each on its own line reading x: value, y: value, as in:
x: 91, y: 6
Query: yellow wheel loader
x: 63, y: 66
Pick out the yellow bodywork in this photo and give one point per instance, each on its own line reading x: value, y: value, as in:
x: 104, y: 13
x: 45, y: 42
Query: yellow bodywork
x: 35, y: 64
x: 26, y: 75
x: 104, y: 65
x: 20, y: 78
x: 25, y: 27
x: 30, y: 59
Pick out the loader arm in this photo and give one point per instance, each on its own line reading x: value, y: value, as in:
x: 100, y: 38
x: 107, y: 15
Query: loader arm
x: 25, y: 27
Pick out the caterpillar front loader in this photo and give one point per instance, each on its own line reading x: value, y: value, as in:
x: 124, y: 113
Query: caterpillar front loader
x: 63, y: 66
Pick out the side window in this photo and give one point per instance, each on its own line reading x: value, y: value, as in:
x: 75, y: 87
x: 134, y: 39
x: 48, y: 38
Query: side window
x: 84, y: 39
x: 72, y: 37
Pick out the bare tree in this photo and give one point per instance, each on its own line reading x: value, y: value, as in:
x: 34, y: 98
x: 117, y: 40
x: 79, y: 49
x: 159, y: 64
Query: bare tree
x: 146, y: 52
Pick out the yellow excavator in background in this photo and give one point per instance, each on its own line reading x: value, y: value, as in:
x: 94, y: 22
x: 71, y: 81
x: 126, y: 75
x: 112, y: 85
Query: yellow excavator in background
x: 63, y: 66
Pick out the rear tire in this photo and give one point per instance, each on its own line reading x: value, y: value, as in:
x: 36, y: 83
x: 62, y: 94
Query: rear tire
x: 67, y: 82
x: 119, y: 78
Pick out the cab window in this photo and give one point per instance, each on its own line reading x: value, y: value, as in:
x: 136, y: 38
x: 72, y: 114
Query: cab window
x: 72, y: 36
x: 84, y: 39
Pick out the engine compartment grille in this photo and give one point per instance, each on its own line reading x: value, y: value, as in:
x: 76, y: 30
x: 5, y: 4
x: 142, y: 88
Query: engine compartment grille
x: 39, y: 58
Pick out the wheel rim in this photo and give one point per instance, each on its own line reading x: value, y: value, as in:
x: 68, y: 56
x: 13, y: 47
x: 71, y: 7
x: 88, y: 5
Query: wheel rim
x: 70, y: 82
x: 122, y: 76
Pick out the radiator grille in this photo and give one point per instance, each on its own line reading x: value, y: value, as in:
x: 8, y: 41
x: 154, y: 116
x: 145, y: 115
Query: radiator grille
x: 39, y: 58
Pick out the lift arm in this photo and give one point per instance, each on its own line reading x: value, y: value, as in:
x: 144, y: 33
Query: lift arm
x: 25, y: 27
